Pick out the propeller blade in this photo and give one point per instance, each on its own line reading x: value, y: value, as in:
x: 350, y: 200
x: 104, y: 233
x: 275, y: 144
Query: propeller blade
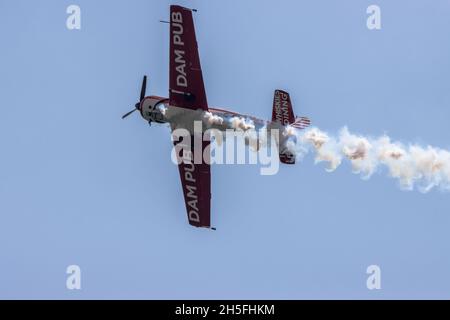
x: 128, y: 113
x: 137, y: 106
x: 144, y: 86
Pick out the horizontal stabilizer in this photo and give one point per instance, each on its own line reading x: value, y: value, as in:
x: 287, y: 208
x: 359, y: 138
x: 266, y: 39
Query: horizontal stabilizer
x: 301, y: 123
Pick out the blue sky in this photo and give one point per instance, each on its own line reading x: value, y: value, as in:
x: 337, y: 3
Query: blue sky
x: 78, y: 185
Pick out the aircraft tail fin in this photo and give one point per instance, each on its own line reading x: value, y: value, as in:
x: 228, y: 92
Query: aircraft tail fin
x: 283, y: 113
x: 282, y: 108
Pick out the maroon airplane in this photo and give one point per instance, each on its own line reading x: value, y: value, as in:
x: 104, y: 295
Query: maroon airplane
x: 187, y: 103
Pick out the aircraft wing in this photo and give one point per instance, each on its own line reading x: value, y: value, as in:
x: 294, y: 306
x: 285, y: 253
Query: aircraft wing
x: 186, y: 80
x: 196, y: 184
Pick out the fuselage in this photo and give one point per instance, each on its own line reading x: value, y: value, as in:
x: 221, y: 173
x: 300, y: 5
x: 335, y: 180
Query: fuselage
x: 157, y: 109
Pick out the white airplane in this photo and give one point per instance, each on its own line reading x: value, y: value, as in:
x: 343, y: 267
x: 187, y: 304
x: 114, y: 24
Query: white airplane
x: 187, y: 103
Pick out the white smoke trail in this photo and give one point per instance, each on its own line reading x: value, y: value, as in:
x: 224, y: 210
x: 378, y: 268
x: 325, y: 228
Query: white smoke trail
x: 211, y: 119
x: 230, y: 122
x: 241, y: 124
x: 412, y: 165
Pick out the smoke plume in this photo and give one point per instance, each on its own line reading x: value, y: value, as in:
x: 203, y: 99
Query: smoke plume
x: 412, y: 165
